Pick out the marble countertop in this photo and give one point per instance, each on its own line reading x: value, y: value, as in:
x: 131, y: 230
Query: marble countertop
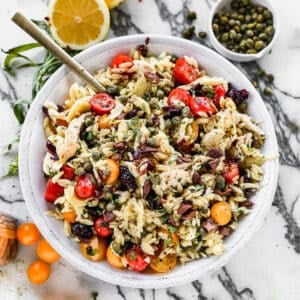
x: 268, y: 267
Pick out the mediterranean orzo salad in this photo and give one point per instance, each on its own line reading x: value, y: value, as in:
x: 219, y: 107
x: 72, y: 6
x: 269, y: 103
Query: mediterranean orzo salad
x: 156, y: 171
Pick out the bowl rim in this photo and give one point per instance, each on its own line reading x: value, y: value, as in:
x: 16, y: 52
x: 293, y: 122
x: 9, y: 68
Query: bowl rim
x: 48, y: 233
x: 242, y: 56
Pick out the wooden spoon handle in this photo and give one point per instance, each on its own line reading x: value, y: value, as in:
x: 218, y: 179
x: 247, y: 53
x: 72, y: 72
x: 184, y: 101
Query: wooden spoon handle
x: 35, y: 32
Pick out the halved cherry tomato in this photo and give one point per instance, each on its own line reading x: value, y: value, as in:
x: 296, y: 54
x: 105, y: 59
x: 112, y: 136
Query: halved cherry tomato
x: 183, y: 72
x: 103, y: 122
x: 60, y: 122
x: 121, y: 59
x: 94, y: 249
x: 179, y: 95
x: 221, y: 213
x: 69, y: 172
x: 114, y: 169
x: 53, y: 191
x: 201, y: 104
x: 114, y: 259
x: 102, y: 228
x: 231, y: 172
x: 102, y: 103
x: 85, y: 188
x: 136, y: 259
x: 219, y: 92
x: 70, y: 216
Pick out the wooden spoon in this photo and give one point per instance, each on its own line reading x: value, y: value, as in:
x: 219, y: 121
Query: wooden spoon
x: 36, y: 33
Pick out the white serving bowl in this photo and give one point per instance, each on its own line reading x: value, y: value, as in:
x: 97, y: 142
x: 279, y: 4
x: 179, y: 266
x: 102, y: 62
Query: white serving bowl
x: 33, y: 149
x: 221, y: 4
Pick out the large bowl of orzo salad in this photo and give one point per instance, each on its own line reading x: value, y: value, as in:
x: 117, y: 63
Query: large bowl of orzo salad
x: 159, y: 180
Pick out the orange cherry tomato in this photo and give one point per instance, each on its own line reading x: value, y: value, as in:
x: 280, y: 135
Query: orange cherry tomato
x: 103, y: 122
x: 46, y: 253
x: 38, y: 272
x: 95, y: 249
x: 70, y: 216
x: 221, y: 213
x: 114, y: 259
x: 28, y: 234
x: 60, y: 122
x: 114, y: 169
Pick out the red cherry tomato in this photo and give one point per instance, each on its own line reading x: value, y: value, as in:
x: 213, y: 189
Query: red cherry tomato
x: 231, y: 172
x: 136, y: 259
x: 102, y: 227
x: 183, y: 72
x: 85, y: 188
x: 69, y: 172
x: 53, y: 191
x: 179, y: 95
x: 120, y: 59
x: 201, y: 104
x: 219, y: 92
x: 102, y: 103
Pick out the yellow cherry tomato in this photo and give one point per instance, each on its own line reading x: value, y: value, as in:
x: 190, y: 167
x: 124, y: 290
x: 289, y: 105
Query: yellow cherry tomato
x: 103, y: 122
x: 38, y: 272
x: 164, y: 265
x: 221, y: 213
x: 114, y: 259
x: 28, y: 234
x: 70, y: 216
x: 114, y: 169
x: 46, y: 253
x: 95, y: 249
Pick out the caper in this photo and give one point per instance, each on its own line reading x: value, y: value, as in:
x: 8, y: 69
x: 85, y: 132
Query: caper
x: 249, y: 33
x: 96, y: 155
x: 268, y: 91
x: 176, y: 120
x: 260, y: 9
x: 269, y: 30
x: 238, y: 37
x: 204, y: 210
x: 113, y: 90
x: 242, y: 107
x: 245, y: 2
x: 251, y: 51
x: 237, y: 29
x: 234, y: 15
x: 270, y: 78
x: 215, y: 27
x: 242, y: 45
x: 259, y: 45
x: 110, y: 206
x: 202, y: 34
x: 108, y: 195
x: 244, y: 27
x: 248, y: 18
x: 234, y: 4
x: 242, y: 10
x: 261, y: 73
x: 269, y: 22
x: 249, y: 43
x: 232, y: 34
x: 223, y: 20
x: 267, y: 14
x: 160, y: 94
x: 116, y: 247
x: 187, y: 34
x: 191, y: 29
x: 254, y: 16
x: 225, y: 37
x: 220, y: 182
x: 186, y: 111
x: 259, y: 18
x: 123, y: 99
x: 232, y: 22
x: 251, y: 25
x: 79, y: 171
x: 168, y: 123
x: 259, y: 26
x: 263, y: 36
x: 88, y: 167
x: 241, y: 18
x: 88, y: 121
x: 192, y: 15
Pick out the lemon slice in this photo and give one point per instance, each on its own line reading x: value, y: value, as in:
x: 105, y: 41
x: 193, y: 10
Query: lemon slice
x: 113, y: 3
x: 78, y: 24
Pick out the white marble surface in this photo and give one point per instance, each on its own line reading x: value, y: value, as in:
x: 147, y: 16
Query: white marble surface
x: 268, y: 267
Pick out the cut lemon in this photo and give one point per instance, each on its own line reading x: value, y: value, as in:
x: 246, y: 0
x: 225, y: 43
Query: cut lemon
x: 78, y: 24
x: 113, y: 3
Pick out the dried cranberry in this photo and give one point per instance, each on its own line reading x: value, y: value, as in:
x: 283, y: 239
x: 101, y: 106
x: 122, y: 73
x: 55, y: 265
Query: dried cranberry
x: 51, y: 148
x: 131, y: 114
x: 147, y: 188
x: 196, y: 178
x: 127, y: 180
x: 215, y: 152
x: 82, y: 231
x: 238, y: 96
x: 142, y: 49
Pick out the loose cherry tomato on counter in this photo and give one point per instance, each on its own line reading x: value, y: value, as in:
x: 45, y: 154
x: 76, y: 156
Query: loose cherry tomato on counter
x: 53, y: 191
x: 183, y: 72
x: 136, y: 259
x: 201, y: 104
x: 221, y: 213
x: 69, y: 172
x: 85, y: 188
x: 179, y: 95
x: 121, y: 59
x: 38, y: 272
x: 219, y: 92
x: 28, y: 234
x: 231, y: 172
x: 46, y: 253
x: 102, y: 103
x: 102, y: 227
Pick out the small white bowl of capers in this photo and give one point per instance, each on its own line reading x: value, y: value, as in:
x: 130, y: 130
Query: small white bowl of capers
x: 243, y: 30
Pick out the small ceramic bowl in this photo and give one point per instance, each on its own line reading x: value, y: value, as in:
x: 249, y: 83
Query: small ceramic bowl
x: 33, y: 148
x: 221, y: 4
